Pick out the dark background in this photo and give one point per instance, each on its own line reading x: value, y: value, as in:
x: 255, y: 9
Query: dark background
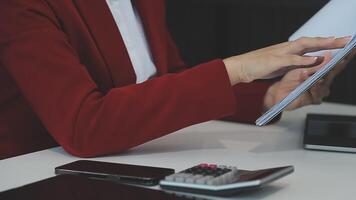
x: 208, y: 29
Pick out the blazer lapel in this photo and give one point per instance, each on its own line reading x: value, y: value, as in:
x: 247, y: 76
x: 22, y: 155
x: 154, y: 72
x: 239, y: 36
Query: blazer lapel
x: 103, y: 28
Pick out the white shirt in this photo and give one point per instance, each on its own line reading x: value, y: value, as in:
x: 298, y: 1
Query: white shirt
x: 130, y: 26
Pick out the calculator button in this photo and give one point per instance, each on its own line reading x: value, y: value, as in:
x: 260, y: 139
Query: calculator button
x: 215, y: 181
x: 235, y: 172
x: 204, y: 179
x: 193, y: 179
x: 181, y: 177
x: 213, y: 166
x: 170, y: 178
x: 234, y: 169
x: 225, y: 179
x: 203, y: 165
x: 230, y: 177
x: 209, y: 174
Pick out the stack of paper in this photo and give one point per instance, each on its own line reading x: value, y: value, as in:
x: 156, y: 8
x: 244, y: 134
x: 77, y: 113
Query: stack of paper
x: 336, y: 18
x: 275, y: 110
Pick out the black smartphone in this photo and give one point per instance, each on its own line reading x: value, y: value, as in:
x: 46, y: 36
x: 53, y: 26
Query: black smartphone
x: 330, y: 133
x: 124, y: 173
x: 68, y: 187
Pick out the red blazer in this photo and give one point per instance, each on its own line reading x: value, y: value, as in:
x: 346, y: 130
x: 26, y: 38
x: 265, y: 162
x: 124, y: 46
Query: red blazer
x: 66, y: 78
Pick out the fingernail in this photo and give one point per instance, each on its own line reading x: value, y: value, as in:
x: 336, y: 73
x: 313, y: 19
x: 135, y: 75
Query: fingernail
x: 314, y: 58
x: 347, y: 38
x: 331, y: 38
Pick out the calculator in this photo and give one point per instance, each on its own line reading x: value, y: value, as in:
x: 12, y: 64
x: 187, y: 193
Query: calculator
x: 221, y: 180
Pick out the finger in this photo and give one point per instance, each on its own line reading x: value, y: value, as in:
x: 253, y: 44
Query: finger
x: 292, y: 60
x: 308, y: 44
x: 312, y: 70
x: 306, y: 99
x: 317, y: 44
x: 321, y: 89
x: 307, y: 72
x: 348, y: 58
x: 353, y: 54
x: 331, y: 75
x: 304, y: 75
x: 271, y: 48
x: 319, y: 92
x: 325, y: 92
x: 281, y: 64
x: 315, y: 96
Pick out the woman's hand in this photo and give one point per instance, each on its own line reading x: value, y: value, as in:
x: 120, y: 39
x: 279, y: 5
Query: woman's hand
x: 294, y: 78
x: 277, y: 59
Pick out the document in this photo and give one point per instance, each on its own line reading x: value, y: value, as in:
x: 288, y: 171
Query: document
x: 336, y: 18
x: 307, y: 84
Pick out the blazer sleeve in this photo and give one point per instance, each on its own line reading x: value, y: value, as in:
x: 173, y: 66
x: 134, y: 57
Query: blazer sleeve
x: 249, y: 99
x: 248, y: 96
x: 76, y: 113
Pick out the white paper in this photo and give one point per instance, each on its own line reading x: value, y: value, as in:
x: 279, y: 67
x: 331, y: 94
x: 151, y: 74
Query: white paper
x: 276, y: 109
x: 337, y: 18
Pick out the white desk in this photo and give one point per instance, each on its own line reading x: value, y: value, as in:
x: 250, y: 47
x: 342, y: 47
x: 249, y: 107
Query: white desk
x: 318, y: 175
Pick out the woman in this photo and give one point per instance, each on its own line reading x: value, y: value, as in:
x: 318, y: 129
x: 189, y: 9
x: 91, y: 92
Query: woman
x: 101, y: 77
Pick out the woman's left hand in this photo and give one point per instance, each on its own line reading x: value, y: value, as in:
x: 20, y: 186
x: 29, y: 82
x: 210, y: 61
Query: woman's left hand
x: 294, y: 78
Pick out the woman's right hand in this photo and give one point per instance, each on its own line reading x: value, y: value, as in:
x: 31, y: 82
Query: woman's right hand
x: 271, y: 61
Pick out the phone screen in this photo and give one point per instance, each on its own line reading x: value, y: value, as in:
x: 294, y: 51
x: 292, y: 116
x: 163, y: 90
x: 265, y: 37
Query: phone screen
x: 330, y: 130
x: 122, y: 172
